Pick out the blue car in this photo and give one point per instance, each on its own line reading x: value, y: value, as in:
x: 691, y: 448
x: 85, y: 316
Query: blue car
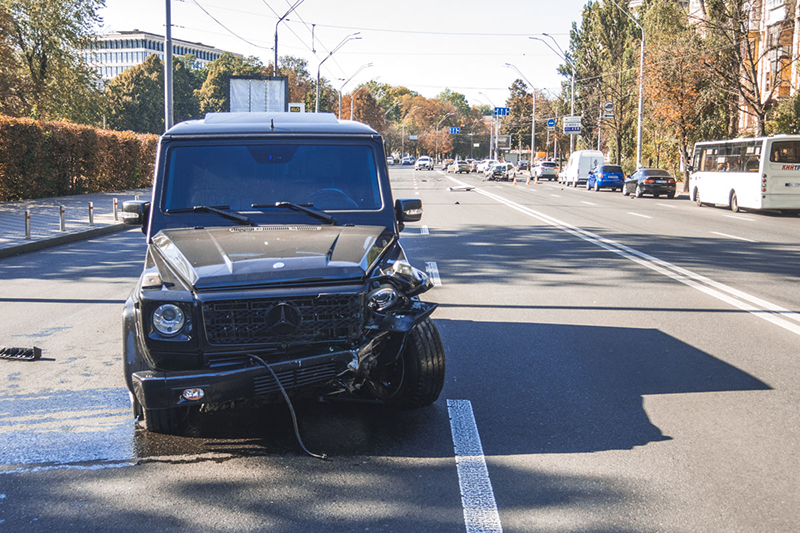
x: 606, y: 177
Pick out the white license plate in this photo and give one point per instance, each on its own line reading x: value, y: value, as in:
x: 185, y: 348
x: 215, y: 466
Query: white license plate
x: 660, y: 181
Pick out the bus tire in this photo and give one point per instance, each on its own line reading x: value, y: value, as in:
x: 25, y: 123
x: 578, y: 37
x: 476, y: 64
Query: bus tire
x: 734, y: 203
x: 697, y: 198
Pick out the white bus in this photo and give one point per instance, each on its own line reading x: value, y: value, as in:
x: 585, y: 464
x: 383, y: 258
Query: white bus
x: 757, y: 173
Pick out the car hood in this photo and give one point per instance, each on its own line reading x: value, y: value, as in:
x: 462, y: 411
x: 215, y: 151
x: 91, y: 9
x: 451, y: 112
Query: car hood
x: 244, y: 256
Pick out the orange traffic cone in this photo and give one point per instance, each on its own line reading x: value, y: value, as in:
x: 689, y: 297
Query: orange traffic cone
x: 515, y: 180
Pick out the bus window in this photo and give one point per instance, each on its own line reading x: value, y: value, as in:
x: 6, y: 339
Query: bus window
x: 785, y: 152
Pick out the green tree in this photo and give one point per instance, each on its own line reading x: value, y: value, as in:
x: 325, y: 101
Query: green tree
x: 50, y: 80
x: 457, y: 100
x: 135, y: 98
x: 214, y: 95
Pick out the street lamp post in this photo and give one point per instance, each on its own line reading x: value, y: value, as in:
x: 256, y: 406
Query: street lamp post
x: 168, y: 109
x: 641, y: 89
x: 563, y: 56
x: 292, y: 8
x: 533, y: 113
x: 352, y: 36
x: 492, y: 136
x: 362, y: 67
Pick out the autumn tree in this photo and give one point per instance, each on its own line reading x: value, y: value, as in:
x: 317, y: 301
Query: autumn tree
x: 46, y: 77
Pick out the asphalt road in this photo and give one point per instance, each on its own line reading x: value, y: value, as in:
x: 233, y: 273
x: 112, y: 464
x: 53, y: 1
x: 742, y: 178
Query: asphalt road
x: 631, y: 364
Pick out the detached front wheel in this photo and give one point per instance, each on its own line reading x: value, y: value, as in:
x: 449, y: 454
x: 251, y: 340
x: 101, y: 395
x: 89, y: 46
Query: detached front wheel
x: 417, y: 377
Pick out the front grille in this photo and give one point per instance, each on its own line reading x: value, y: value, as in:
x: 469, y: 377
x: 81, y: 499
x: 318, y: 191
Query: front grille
x: 283, y: 322
x: 295, y: 378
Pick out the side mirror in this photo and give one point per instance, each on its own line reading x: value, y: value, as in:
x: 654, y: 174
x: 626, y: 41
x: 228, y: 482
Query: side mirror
x: 408, y: 210
x: 136, y: 213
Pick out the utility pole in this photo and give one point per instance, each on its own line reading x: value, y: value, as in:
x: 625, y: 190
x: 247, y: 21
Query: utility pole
x: 169, y: 117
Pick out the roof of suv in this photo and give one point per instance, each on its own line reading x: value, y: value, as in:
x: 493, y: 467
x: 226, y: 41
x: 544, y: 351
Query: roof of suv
x: 222, y: 124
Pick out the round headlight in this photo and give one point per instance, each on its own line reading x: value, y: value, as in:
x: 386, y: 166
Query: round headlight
x: 382, y: 298
x: 168, y: 319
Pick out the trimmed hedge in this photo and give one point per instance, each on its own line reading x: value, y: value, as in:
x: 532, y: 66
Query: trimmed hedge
x: 44, y: 159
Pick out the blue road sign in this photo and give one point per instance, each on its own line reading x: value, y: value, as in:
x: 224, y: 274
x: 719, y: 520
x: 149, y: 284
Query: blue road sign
x: 454, y: 129
x: 501, y: 111
x: 551, y: 123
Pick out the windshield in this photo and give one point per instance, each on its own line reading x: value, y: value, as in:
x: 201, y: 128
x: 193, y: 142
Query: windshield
x: 327, y: 176
x: 613, y: 169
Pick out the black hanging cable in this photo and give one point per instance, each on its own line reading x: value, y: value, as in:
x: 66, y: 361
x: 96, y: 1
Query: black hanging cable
x: 324, y: 457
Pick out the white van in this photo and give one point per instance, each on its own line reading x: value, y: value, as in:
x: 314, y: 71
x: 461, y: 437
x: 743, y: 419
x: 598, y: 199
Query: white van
x: 579, y: 165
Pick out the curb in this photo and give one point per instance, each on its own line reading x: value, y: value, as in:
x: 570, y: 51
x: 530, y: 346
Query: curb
x: 49, y: 242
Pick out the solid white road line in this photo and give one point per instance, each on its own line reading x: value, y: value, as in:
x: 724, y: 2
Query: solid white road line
x: 433, y: 272
x: 752, y: 304
x: 477, y: 496
x: 638, y: 215
x: 731, y: 236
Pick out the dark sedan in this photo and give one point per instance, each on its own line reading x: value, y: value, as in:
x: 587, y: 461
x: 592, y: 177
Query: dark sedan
x: 650, y: 181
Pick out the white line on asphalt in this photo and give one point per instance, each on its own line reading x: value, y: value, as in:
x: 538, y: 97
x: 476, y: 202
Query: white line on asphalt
x: 477, y: 496
x: 424, y: 230
x: 752, y: 304
x: 668, y: 205
x: 587, y: 203
x: 731, y: 236
x: 556, y: 195
x: 740, y: 218
x: 638, y: 215
x: 433, y: 272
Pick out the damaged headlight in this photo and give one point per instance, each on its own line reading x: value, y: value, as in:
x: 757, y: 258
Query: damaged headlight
x: 415, y: 279
x: 382, y: 298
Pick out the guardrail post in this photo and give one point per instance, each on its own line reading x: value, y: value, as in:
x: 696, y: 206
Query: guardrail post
x: 116, y: 216
x: 62, y: 222
x: 27, y: 224
x: 91, y: 214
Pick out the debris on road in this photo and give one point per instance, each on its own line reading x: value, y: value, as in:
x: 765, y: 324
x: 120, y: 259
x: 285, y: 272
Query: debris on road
x: 21, y: 354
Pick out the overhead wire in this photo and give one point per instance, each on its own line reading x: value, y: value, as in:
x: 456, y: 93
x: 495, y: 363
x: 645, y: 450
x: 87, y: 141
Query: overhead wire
x: 195, y: 2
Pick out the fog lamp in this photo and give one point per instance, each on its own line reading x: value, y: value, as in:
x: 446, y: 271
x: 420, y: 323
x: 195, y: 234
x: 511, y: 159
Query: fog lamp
x: 193, y: 394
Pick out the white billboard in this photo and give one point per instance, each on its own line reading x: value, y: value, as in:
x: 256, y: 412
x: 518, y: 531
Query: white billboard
x: 249, y: 95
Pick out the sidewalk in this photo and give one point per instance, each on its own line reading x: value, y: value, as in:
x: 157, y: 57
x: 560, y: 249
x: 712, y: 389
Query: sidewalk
x: 45, y: 220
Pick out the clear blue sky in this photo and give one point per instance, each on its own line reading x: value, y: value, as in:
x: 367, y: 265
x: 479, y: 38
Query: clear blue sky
x: 424, y: 45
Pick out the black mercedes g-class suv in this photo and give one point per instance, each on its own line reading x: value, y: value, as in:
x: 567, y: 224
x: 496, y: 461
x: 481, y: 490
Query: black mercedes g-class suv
x: 273, y: 256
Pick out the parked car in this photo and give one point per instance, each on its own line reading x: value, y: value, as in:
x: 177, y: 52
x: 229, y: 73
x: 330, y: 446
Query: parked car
x: 236, y: 307
x: 408, y: 160
x: 457, y: 167
x: 650, y: 181
x: 501, y: 171
x: 606, y: 177
x: 423, y: 163
x: 545, y: 170
x: 523, y: 165
x: 390, y: 160
x: 579, y: 165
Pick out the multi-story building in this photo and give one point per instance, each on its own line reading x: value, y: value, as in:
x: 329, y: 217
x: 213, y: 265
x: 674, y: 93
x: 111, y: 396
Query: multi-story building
x: 113, y: 53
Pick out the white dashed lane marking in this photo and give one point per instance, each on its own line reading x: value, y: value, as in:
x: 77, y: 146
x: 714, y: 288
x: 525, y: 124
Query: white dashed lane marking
x: 433, y: 273
x: 477, y: 496
x: 740, y: 218
x: 731, y: 236
x: 424, y: 230
x: 587, y: 203
x: 638, y: 215
x: 668, y: 205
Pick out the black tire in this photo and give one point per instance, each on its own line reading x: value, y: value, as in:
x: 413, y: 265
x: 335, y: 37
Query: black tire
x: 168, y: 421
x: 417, y: 377
x: 697, y: 198
x: 639, y: 191
x: 596, y: 186
x: 670, y: 195
x: 656, y: 194
x: 587, y: 186
x: 734, y: 203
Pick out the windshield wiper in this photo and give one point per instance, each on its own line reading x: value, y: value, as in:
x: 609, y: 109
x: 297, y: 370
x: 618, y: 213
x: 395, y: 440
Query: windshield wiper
x: 303, y: 208
x: 236, y: 217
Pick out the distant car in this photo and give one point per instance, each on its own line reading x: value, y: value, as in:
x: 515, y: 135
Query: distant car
x: 545, y: 170
x: 650, y: 181
x: 423, y: 163
x: 408, y: 160
x: 446, y: 163
x: 457, y: 167
x: 484, y: 165
x: 523, y: 165
x: 501, y: 171
x: 473, y: 165
x: 390, y: 160
x: 606, y: 177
